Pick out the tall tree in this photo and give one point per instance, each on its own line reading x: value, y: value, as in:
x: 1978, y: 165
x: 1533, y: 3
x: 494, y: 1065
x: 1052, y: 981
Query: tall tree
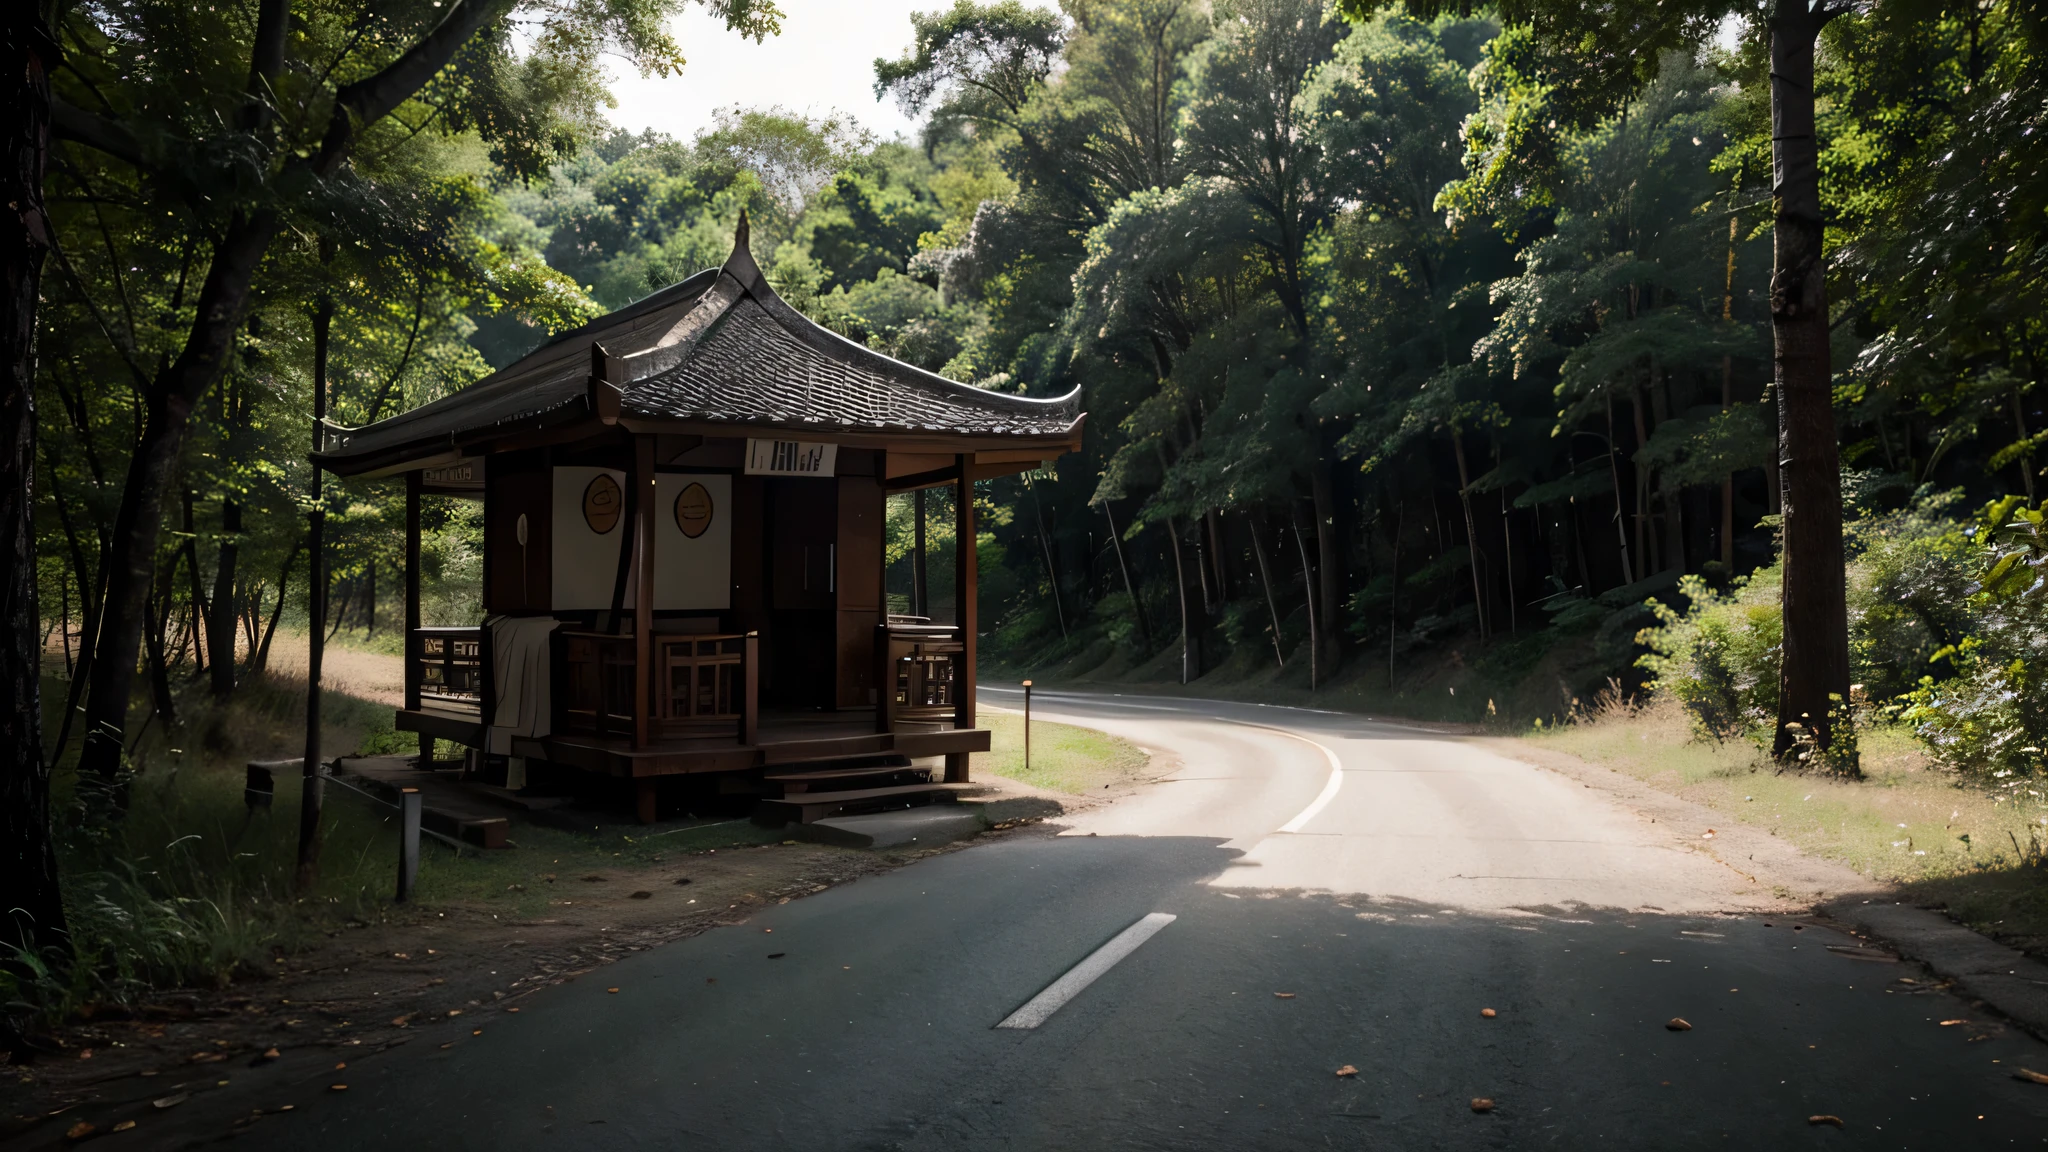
x: 1604, y: 52
x: 280, y: 154
x: 31, y: 908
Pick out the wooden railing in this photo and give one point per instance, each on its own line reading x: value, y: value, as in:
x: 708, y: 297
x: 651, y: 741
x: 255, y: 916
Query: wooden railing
x: 702, y: 682
x: 920, y: 672
x: 448, y: 667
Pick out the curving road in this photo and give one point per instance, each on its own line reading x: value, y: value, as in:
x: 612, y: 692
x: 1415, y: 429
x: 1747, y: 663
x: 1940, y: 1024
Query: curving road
x: 1306, y: 892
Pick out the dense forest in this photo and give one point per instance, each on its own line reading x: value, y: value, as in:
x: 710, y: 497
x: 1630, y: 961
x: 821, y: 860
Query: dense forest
x: 1412, y: 337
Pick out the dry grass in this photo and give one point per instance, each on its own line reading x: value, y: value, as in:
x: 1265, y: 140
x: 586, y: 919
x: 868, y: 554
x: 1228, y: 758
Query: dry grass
x: 1907, y: 823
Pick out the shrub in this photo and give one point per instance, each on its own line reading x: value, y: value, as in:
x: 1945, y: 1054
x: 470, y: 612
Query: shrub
x: 1720, y: 657
x: 1991, y: 718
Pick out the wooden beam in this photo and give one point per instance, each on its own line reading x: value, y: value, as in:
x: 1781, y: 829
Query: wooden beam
x: 643, y: 590
x: 965, y: 615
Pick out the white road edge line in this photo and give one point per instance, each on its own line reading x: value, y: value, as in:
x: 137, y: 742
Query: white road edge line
x: 1042, y: 1006
x: 1330, y: 786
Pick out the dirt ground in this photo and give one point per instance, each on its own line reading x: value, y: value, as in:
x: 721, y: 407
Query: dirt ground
x: 374, y: 986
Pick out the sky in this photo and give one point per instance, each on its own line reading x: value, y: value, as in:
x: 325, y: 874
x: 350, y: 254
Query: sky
x: 824, y: 60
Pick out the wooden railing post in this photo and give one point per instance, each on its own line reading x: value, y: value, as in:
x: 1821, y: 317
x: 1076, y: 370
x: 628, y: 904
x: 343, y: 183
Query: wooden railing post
x: 750, y: 698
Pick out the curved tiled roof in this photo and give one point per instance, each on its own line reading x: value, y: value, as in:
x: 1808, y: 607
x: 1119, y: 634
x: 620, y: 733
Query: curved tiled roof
x: 720, y: 347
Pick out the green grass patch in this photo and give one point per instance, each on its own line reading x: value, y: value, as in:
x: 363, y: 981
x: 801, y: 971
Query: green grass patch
x: 1064, y: 758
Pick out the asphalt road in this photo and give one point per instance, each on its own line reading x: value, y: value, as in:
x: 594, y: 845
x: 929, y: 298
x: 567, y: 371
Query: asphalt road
x: 1391, y: 883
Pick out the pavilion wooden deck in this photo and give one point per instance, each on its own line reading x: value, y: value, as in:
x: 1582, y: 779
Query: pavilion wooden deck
x: 781, y: 739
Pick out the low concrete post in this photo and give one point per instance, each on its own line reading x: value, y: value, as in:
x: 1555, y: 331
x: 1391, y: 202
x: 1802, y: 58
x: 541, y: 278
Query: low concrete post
x: 408, y: 841
x: 1027, y: 725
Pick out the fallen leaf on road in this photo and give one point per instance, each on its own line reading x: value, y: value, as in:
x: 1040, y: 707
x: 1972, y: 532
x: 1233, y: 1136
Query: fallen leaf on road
x: 1284, y: 995
x: 401, y: 1021
x: 1678, y: 1024
x: 85, y: 1053
x: 1481, y: 1104
x: 611, y: 990
x: 80, y: 1130
x: 337, y: 1087
x: 641, y: 895
x: 476, y: 1032
x: 777, y: 955
x: 1952, y: 1023
x: 2030, y: 1076
x: 511, y: 1009
x: 449, y: 1044
x: 400, y: 956
x: 271, y: 1053
x: 1488, y: 1013
x: 1708, y: 835
x: 682, y: 879
x: 455, y: 1011
x: 123, y: 1126
x: 1835, y: 1120
x: 1347, y: 1070
x: 171, y: 1101
x: 593, y: 878
x: 340, y: 1066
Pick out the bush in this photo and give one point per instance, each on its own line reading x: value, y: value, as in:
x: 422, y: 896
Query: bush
x: 1991, y: 718
x: 1720, y: 657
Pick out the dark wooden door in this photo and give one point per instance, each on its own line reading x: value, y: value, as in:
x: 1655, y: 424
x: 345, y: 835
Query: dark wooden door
x: 803, y: 562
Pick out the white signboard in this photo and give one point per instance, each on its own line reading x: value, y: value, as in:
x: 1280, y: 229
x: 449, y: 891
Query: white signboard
x: 692, y: 539
x: 790, y: 458
x: 590, y: 506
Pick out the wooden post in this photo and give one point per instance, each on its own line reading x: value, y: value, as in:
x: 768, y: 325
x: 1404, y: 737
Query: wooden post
x: 750, y: 696
x: 920, y: 604
x: 643, y: 591
x: 885, y: 681
x: 964, y: 579
x: 408, y: 841
x: 1027, y: 725
x: 414, y: 480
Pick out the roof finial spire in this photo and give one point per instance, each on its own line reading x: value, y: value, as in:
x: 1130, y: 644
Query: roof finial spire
x: 739, y: 234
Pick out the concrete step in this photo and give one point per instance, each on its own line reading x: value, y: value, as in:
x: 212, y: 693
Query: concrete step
x: 915, y: 827
x: 805, y: 807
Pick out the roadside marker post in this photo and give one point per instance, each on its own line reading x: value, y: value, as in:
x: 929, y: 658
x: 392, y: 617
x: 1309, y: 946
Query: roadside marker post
x: 1027, y: 725
x: 408, y: 841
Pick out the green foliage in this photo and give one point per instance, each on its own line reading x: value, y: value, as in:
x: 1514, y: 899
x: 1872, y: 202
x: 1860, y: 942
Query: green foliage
x: 1991, y: 718
x: 1720, y: 656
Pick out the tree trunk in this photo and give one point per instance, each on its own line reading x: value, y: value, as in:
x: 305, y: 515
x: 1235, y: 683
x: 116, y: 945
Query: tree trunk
x: 220, y: 636
x: 1266, y: 583
x: 1308, y: 588
x: 1728, y: 402
x: 138, y: 525
x: 1471, y: 532
x: 260, y: 657
x: 1052, y: 575
x: 1330, y: 576
x: 1190, y: 650
x: 1628, y: 575
x: 311, y: 771
x: 34, y: 918
x: 1814, y: 677
x: 1394, y: 591
x: 1213, y: 520
x: 1130, y: 587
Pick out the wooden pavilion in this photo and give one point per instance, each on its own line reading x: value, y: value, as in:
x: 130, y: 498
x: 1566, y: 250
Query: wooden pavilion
x: 683, y: 550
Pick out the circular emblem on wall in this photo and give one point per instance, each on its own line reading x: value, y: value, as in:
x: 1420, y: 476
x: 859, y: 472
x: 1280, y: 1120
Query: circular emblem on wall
x: 602, y: 503
x: 694, y: 510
